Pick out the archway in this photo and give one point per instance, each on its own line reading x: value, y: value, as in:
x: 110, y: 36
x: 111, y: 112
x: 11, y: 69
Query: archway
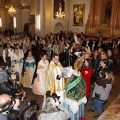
x: 58, y: 27
x: 26, y: 28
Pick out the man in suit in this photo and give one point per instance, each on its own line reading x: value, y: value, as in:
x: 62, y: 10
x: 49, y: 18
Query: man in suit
x: 36, y: 38
x: 7, y: 52
x: 94, y: 46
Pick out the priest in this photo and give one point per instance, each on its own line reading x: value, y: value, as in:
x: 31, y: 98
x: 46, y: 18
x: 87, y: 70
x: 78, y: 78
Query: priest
x: 55, y: 81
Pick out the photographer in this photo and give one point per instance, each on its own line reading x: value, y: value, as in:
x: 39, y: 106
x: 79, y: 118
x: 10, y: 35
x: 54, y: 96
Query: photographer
x: 104, y: 66
x: 5, y: 87
x: 101, y: 92
x: 8, y: 83
x: 97, y: 65
x: 7, y: 106
x: 15, y: 97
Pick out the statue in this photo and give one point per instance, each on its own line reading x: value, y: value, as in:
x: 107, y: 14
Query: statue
x: 108, y: 11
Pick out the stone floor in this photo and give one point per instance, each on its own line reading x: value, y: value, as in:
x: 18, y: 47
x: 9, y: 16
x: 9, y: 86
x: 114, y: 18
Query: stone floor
x: 89, y: 116
x: 113, y: 111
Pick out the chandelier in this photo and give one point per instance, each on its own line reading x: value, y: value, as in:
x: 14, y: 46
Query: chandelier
x: 59, y: 13
x: 11, y: 11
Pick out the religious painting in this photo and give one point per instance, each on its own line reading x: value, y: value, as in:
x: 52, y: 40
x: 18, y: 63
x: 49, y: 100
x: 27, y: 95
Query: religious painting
x: 59, y: 9
x: 78, y: 14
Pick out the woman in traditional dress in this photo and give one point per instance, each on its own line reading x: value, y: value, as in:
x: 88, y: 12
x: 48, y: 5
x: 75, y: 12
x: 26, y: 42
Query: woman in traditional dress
x: 16, y: 59
x: 49, y: 49
x: 29, y: 69
x: 21, y: 56
x: 39, y: 83
x: 75, y: 92
x: 55, y: 47
x: 26, y: 44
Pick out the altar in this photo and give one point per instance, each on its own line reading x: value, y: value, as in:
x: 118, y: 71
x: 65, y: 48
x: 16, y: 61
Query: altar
x: 103, y: 30
x: 104, y: 18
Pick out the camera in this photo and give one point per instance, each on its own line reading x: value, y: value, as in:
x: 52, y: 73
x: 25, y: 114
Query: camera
x: 102, y: 74
x: 9, y: 71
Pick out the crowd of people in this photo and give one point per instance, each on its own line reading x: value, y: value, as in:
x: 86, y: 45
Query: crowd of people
x: 66, y: 64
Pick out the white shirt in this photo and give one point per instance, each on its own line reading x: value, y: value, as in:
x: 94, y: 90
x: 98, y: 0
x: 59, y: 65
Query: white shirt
x: 9, y: 53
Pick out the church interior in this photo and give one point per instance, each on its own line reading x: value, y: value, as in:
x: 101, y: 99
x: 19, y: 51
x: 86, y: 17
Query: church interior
x: 97, y: 17
x: 89, y: 18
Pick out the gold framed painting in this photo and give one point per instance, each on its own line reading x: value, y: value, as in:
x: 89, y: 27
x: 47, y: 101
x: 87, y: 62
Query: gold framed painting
x: 78, y: 14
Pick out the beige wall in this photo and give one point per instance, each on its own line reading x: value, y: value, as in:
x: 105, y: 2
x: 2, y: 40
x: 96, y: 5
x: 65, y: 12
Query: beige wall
x: 25, y: 14
x: 68, y: 21
x: 79, y: 29
x: 4, y: 21
x: 49, y: 23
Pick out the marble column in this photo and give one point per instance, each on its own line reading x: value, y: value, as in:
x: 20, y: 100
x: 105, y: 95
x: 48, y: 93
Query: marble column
x: 115, y: 11
x: 91, y: 16
x: 67, y: 15
x: 37, y: 17
x: 17, y: 6
x: 3, y: 18
x: 7, y: 19
x: 48, y: 9
x: 18, y: 19
x: 42, y: 18
x: 99, y: 12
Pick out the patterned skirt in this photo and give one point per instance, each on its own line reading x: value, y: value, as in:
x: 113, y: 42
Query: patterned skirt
x: 75, y: 116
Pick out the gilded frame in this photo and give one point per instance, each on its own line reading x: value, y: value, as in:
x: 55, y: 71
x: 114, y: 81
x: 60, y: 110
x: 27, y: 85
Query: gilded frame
x: 78, y: 14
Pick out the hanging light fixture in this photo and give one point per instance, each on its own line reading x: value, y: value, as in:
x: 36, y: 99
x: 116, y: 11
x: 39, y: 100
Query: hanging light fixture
x: 11, y: 11
x: 60, y: 14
